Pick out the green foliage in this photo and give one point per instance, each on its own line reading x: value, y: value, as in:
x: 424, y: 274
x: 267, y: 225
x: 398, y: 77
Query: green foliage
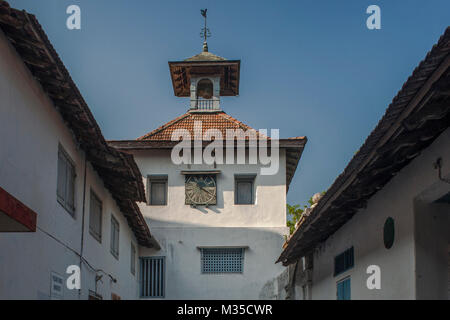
x: 294, y: 213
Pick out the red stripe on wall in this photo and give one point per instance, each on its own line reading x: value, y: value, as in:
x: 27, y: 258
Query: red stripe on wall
x: 17, y: 211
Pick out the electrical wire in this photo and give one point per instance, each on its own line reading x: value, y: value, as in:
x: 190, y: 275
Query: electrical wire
x: 76, y: 253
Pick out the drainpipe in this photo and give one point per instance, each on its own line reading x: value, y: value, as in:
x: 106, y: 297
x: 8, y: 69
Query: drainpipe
x: 82, y: 220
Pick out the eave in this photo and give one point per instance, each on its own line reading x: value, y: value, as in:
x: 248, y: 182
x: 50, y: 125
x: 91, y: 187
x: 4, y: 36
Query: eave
x: 228, y: 70
x: 416, y: 117
x: 117, y: 170
x: 294, y: 148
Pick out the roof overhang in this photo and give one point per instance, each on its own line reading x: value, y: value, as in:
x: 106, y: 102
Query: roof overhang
x: 228, y: 70
x: 294, y: 148
x: 416, y: 117
x: 14, y: 215
x: 196, y: 172
x: 117, y: 170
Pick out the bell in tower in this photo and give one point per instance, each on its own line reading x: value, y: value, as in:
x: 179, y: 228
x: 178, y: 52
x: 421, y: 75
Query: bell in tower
x: 205, y: 77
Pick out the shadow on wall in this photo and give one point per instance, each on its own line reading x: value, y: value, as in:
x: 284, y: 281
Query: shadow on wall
x: 158, y: 162
x: 180, y: 243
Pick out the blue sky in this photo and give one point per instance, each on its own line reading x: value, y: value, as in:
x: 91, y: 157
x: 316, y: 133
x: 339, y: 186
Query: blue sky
x: 307, y: 67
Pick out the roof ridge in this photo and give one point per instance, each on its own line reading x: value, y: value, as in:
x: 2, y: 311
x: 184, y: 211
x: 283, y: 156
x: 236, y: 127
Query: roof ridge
x: 205, y: 56
x: 164, y: 126
x: 219, y: 120
x: 246, y: 126
x: 239, y: 123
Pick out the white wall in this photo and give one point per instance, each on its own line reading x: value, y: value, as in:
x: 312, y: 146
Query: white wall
x: 180, y: 229
x: 269, y: 209
x: 365, y: 232
x: 432, y: 236
x: 30, y: 131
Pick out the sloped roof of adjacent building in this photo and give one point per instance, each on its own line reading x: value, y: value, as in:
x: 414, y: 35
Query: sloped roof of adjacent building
x: 118, y: 170
x: 416, y: 117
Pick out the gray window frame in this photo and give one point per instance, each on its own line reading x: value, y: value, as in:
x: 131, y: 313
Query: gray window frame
x: 93, y: 233
x: 160, y: 178
x: 114, y: 252
x: 244, y: 178
x: 147, y: 277
x: 70, y: 170
x: 133, y: 253
x: 222, y: 267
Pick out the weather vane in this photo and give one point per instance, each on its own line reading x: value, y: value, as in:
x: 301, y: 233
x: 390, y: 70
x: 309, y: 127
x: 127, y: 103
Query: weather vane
x: 205, y: 33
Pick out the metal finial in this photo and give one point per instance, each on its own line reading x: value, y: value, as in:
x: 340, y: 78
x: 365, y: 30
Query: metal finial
x: 205, y: 33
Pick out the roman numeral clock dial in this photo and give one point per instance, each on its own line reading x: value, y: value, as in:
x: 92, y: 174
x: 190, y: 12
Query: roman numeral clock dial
x: 201, y: 189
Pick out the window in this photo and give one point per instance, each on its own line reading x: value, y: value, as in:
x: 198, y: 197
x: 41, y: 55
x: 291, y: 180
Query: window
x: 152, y: 277
x: 388, y: 233
x: 133, y: 259
x: 222, y: 260
x: 243, y: 191
x: 205, y: 89
x: 343, y: 291
x: 66, y: 181
x: 56, y: 286
x: 95, y: 217
x: 114, y: 237
x: 157, y: 190
x: 344, y: 261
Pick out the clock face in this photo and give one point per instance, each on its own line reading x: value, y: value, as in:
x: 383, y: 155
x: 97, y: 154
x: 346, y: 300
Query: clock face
x: 201, y: 189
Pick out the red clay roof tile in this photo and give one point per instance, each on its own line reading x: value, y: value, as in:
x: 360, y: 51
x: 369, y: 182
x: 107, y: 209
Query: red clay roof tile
x: 210, y: 120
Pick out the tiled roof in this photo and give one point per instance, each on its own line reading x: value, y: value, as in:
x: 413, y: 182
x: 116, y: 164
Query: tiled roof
x: 160, y: 138
x: 210, y: 120
x: 118, y: 170
x: 408, y: 127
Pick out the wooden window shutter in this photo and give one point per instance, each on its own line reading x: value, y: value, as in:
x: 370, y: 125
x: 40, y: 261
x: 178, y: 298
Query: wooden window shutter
x: 95, y: 217
x: 62, y: 177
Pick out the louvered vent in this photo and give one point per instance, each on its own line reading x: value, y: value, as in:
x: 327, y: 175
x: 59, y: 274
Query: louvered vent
x: 152, y: 277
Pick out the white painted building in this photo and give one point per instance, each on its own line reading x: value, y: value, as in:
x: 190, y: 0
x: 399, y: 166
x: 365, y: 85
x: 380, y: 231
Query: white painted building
x: 220, y: 226
x: 60, y: 181
x: 390, y: 208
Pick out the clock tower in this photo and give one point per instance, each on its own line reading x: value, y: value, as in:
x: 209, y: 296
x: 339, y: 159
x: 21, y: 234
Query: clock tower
x: 204, y: 78
x: 221, y: 225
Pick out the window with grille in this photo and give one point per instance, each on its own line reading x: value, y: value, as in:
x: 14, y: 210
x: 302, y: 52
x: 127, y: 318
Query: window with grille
x: 65, y: 189
x: 222, y: 260
x: 95, y: 217
x: 152, y: 276
x: 243, y: 191
x: 157, y: 190
x: 133, y: 259
x: 114, y: 237
x: 344, y: 261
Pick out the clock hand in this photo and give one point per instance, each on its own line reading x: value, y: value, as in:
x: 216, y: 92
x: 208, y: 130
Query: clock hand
x: 207, y: 191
